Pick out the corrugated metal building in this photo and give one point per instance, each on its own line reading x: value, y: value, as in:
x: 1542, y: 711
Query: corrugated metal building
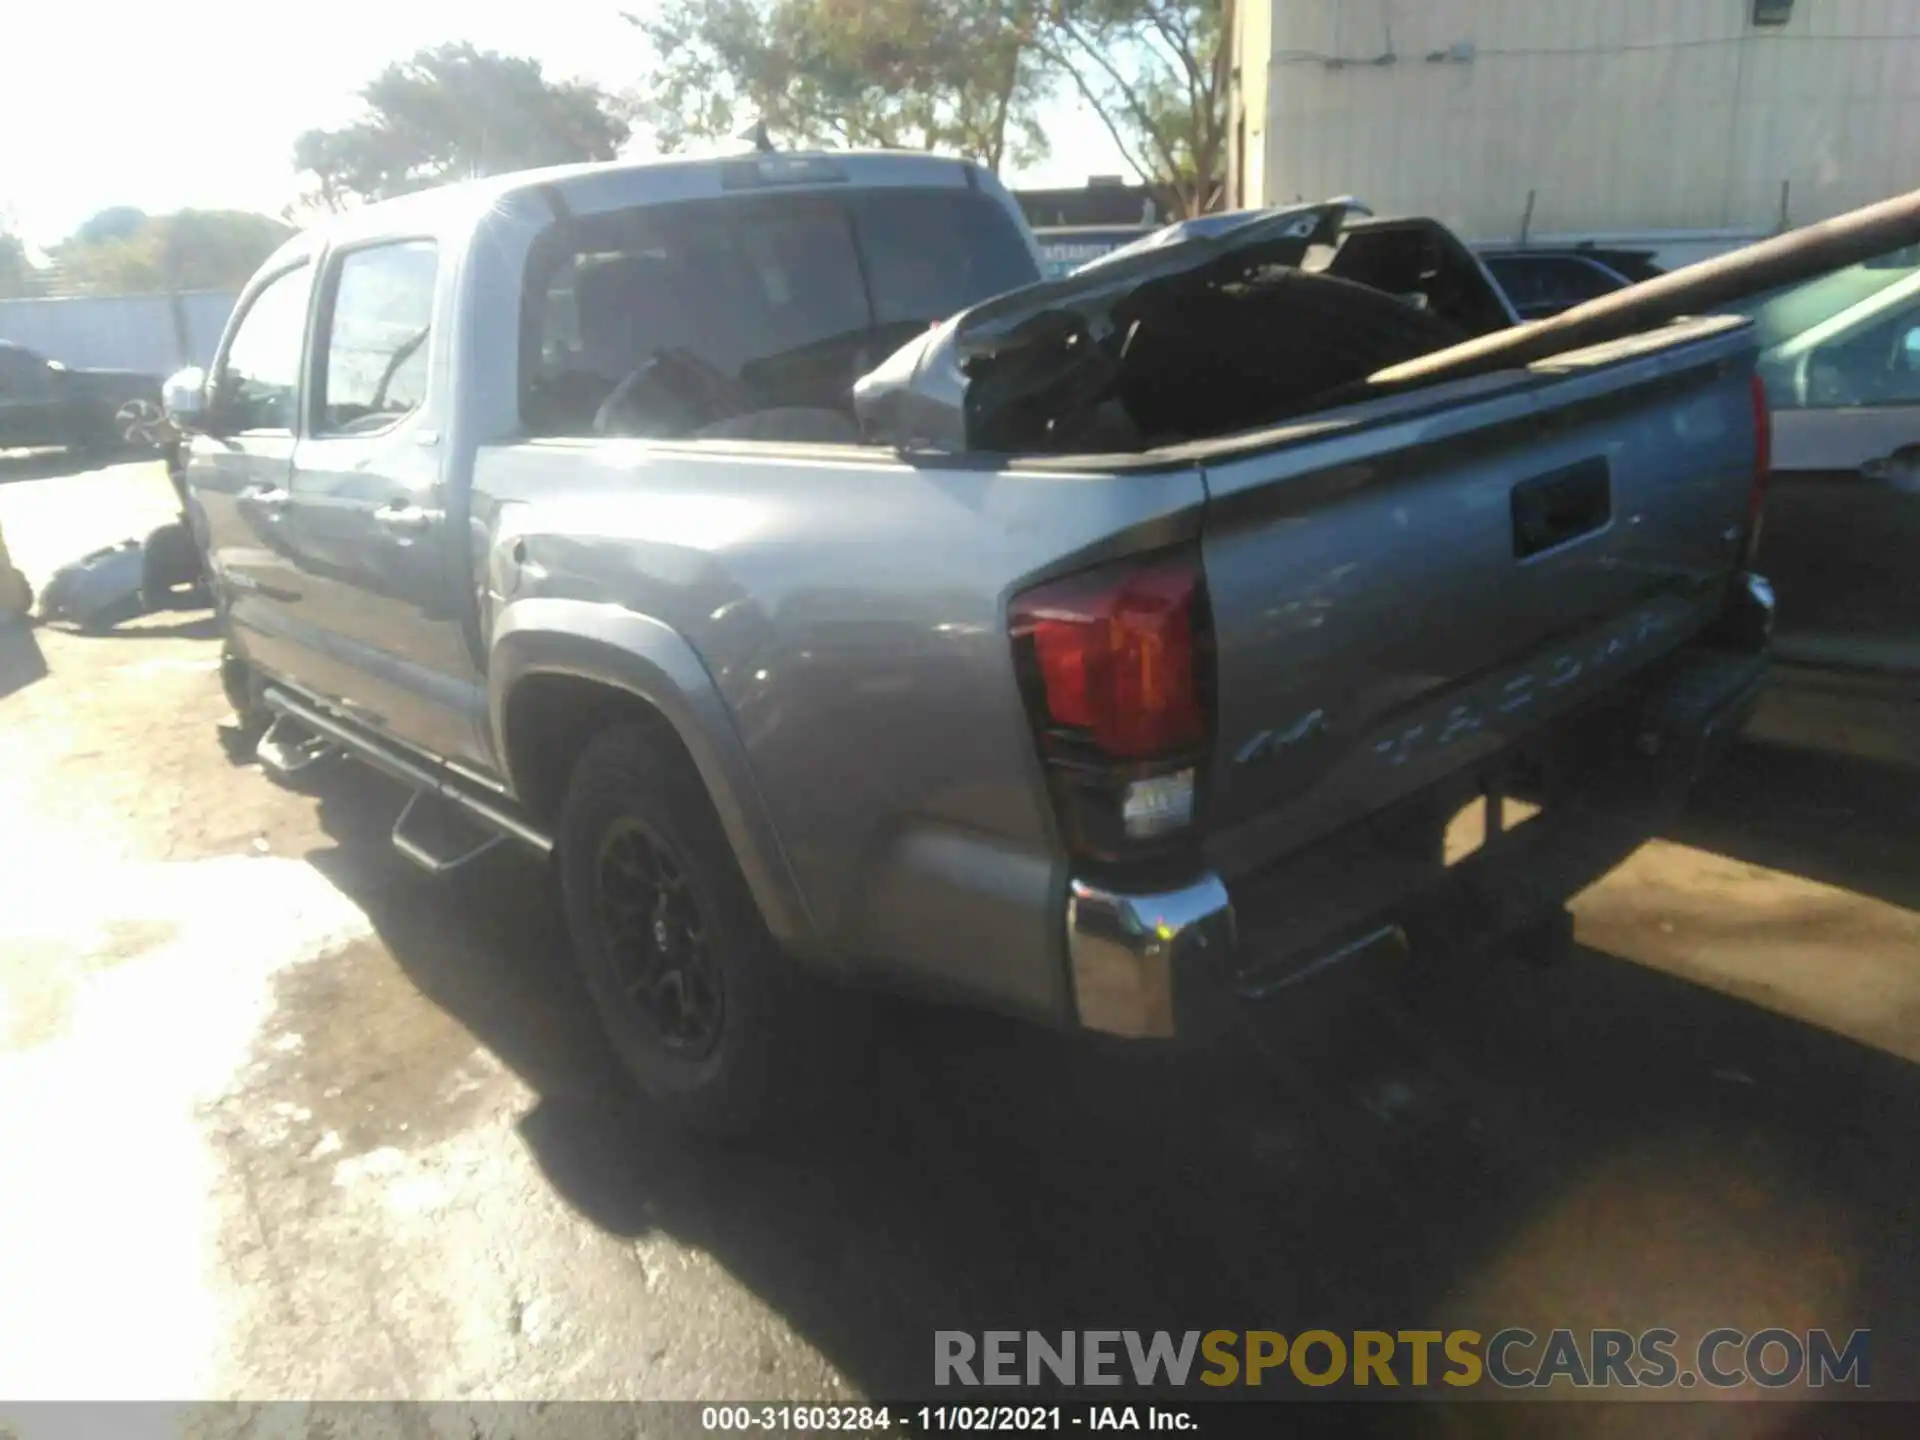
x: 144, y: 333
x: 1618, y: 116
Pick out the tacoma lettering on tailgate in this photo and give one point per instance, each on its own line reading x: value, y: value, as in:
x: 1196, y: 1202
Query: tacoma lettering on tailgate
x: 1511, y: 699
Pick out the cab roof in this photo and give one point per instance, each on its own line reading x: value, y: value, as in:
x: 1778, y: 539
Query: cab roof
x: 587, y: 189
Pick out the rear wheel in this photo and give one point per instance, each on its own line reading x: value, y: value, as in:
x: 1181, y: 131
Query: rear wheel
x: 138, y: 423
x: 705, y: 1014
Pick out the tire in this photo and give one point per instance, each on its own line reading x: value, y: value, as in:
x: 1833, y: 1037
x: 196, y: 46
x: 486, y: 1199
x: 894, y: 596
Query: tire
x: 16, y: 595
x: 99, y: 622
x: 169, y: 559
x: 98, y: 441
x: 706, y: 1015
x: 243, y: 690
x: 136, y: 422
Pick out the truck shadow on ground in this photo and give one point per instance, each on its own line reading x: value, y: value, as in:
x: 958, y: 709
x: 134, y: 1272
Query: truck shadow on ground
x: 21, y: 660
x: 1580, y: 1143
x: 150, y: 625
x: 51, y: 464
x: 37, y: 464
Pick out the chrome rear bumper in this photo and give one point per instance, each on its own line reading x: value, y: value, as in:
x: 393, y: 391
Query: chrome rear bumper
x: 1126, y: 949
x: 1132, y: 955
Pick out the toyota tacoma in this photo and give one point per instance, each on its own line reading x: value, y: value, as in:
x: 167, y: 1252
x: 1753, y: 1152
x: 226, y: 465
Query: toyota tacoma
x: 834, y: 600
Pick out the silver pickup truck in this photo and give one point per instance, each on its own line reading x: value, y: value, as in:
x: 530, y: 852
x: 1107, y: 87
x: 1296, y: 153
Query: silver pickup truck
x: 835, y: 601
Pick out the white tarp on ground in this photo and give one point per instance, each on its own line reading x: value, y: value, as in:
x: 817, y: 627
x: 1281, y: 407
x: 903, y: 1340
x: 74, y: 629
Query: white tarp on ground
x: 120, y: 332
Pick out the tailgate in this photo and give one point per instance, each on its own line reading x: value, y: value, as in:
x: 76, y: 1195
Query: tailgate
x: 1401, y: 593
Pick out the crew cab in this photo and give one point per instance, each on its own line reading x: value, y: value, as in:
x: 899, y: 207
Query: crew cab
x: 835, y: 600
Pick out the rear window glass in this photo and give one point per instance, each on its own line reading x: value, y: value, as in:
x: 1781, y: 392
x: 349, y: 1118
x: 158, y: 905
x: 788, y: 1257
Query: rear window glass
x: 671, y: 320
x: 1546, y: 286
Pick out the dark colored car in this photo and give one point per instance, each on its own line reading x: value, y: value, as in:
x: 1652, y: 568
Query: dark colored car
x: 43, y: 403
x: 1542, y: 282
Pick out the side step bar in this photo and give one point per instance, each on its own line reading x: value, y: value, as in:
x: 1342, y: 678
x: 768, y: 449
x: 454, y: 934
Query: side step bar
x: 423, y: 776
x: 288, y: 747
x: 439, y: 838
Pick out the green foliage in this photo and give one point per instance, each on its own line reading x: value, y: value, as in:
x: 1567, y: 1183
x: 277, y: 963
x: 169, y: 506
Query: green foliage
x: 192, y: 250
x: 116, y: 222
x: 18, y: 277
x: 964, y: 76
x: 452, y: 113
x: 1156, y: 73
x: 952, y: 75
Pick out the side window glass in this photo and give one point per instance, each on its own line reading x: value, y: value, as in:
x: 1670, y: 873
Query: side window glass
x: 377, y: 338
x: 1524, y: 285
x: 1544, y: 285
x: 672, y: 320
x: 259, y: 381
x: 1575, y: 281
x: 1877, y: 365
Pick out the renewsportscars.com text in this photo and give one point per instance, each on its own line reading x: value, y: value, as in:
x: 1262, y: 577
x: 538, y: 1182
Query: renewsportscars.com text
x: 1512, y: 1358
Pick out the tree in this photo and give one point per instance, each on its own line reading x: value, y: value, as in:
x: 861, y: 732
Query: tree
x: 960, y: 75
x: 110, y: 223
x: 452, y: 113
x: 218, y: 249
x: 192, y: 250
x: 116, y: 222
x: 952, y: 75
x: 18, y: 277
x: 1156, y: 72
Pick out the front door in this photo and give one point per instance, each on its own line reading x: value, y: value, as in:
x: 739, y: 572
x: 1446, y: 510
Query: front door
x: 1841, y: 539
x: 237, y: 477
x: 379, y: 565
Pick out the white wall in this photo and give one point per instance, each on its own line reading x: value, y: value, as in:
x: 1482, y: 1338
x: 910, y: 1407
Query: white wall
x: 118, y: 332
x: 1253, y: 42
x: 1619, y: 114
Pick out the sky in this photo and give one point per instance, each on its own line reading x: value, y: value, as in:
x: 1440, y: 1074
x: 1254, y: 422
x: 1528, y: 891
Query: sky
x: 165, y: 107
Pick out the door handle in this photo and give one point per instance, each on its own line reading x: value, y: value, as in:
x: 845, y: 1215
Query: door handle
x: 408, y: 520
x: 267, y: 497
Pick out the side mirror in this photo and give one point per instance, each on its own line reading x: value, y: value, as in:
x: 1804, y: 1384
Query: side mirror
x: 184, y: 394
x: 1910, y: 348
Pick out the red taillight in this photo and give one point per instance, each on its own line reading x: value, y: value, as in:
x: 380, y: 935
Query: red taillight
x: 1762, y: 467
x: 1115, y: 651
x: 1115, y: 666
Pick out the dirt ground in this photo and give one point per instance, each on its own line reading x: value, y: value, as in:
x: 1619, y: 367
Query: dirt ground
x: 284, y: 1117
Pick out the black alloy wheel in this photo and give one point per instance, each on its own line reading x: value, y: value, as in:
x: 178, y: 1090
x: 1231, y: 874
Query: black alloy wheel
x: 654, y: 932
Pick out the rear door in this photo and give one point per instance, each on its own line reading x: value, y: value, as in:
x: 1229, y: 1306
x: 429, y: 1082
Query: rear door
x: 383, y: 606
x: 238, y: 477
x: 1841, y: 541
